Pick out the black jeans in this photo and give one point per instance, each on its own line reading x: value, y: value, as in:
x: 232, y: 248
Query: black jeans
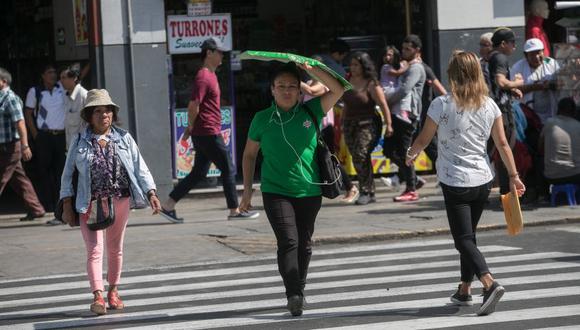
x: 50, y: 158
x: 395, y: 148
x: 210, y: 149
x: 464, y: 208
x: 292, y: 220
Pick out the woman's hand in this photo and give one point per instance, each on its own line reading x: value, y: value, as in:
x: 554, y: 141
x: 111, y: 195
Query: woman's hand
x: 155, y: 203
x: 246, y: 203
x: 517, y: 187
x: 68, y: 214
x: 389, y: 131
x: 305, y: 66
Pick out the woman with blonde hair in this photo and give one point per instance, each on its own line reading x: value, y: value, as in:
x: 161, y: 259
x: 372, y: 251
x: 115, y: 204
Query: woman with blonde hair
x: 463, y: 121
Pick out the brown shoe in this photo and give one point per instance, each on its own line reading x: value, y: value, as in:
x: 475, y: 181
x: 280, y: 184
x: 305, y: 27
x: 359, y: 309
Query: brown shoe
x: 115, y: 301
x: 98, y: 306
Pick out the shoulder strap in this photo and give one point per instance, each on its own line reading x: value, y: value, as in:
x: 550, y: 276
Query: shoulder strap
x: 38, y: 94
x: 313, y: 118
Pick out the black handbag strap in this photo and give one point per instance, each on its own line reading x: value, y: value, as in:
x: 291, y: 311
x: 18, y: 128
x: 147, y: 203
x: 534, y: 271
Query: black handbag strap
x: 311, y: 114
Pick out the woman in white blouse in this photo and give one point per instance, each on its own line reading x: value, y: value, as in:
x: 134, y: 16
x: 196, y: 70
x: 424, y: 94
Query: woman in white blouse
x: 463, y: 121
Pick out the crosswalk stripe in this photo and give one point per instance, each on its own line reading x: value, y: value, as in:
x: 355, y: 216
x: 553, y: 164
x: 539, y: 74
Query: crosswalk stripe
x: 332, y: 312
x: 270, y: 302
x: 251, y: 269
x: 454, y: 321
x: 321, y: 252
x: 343, y: 311
x: 568, y: 327
x: 270, y: 290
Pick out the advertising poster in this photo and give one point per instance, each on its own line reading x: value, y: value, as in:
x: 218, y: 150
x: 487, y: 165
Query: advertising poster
x: 81, y: 22
x: 184, y: 152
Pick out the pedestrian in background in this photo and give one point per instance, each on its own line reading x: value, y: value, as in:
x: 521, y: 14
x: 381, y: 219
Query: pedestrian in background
x: 74, y: 101
x: 14, y: 147
x: 362, y: 124
x: 503, y: 91
x: 314, y: 88
x: 405, y: 121
x: 290, y: 183
x: 204, y: 127
x: 109, y: 164
x: 45, y: 118
x: 464, y: 122
x: 485, y: 47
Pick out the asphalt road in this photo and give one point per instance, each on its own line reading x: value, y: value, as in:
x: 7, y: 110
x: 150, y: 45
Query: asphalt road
x: 402, y: 284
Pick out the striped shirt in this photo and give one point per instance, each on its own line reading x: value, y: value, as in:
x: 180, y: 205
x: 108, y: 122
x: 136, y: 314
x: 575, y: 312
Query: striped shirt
x: 10, y: 114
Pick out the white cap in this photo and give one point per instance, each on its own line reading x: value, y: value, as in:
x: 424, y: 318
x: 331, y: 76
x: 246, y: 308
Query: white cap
x: 533, y: 44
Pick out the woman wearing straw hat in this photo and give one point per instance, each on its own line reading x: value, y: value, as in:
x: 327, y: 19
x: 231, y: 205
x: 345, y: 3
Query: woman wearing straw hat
x: 109, y: 165
x: 463, y: 121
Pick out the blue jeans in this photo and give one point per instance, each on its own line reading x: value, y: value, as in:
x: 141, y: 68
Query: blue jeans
x: 464, y: 208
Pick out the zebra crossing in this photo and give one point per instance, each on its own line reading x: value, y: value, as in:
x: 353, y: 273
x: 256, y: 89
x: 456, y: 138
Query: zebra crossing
x: 396, y: 286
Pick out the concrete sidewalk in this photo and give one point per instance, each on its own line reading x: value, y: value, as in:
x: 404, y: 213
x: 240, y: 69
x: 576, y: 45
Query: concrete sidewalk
x: 208, y: 235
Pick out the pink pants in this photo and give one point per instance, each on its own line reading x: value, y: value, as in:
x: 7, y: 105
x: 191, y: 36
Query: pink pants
x: 94, y: 242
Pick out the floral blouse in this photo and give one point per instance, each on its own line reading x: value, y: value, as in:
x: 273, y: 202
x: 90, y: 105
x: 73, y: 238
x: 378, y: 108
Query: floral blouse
x: 108, y: 176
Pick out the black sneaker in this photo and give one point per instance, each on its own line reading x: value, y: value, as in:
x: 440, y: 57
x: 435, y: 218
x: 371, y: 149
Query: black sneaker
x: 244, y: 215
x: 171, y: 216
x: 363, y: 199
x: 461, y: 299
x: 295, y: 305
x: 55, y: 222
x: 31, y: 217
x: 490, y: 299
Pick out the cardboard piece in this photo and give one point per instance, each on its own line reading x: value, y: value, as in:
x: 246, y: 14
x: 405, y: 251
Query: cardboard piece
x: 513, y: 213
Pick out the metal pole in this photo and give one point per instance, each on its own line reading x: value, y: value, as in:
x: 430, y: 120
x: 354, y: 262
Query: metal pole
x: 95, y: 45
x: 131, y: 79
x: 408, y: 16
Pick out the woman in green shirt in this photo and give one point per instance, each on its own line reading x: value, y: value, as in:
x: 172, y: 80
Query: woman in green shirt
x: 286, y: 134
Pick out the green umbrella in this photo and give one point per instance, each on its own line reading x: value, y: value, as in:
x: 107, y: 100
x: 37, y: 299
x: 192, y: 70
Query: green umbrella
x: 288, y: 57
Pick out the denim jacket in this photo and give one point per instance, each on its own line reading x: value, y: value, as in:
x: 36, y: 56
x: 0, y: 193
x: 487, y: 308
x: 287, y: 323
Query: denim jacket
x: 80, y: 154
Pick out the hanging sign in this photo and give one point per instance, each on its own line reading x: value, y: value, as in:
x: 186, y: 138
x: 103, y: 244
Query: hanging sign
x: 185, y: 34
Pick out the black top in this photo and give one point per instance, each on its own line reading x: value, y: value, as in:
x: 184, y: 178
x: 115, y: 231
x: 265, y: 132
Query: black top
x: 499, y: 64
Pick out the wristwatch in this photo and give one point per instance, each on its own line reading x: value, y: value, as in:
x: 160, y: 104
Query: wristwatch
x: 26, y: 146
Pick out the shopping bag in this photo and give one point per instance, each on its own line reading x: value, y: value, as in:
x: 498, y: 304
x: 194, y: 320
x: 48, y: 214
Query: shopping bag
x: 513, y: 213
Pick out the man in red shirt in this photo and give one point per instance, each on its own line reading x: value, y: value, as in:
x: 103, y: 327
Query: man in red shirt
x: 204, y: 127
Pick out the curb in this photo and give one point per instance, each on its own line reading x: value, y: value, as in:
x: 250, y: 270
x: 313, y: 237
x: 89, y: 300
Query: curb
x: 373, y: 237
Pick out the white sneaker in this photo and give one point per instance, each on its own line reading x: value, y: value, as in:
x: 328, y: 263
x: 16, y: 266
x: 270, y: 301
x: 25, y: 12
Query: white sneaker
x: 391, y: 182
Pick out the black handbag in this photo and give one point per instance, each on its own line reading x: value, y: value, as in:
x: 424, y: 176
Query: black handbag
x: 59, y: 210
x: 102, y: 219
x: 328, y: 165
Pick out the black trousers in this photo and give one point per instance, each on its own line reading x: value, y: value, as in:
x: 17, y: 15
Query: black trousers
x: 395, y: 148
x: 464, y: 208
x: 292, y: 220
x: 50, y: 154
x: 210, y: 149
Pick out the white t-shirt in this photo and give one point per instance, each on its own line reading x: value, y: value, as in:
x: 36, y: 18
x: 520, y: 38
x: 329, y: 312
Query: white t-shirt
x: 73, y: 104
x: 544, y: 103
x: 51, y: 112
x: 462, y: 142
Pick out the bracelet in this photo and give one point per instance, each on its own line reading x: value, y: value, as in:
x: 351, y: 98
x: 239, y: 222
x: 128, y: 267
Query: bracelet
x: 151, y: 193
x: 409, y: 155
x: 24, y: 147
x: 515, y: 175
